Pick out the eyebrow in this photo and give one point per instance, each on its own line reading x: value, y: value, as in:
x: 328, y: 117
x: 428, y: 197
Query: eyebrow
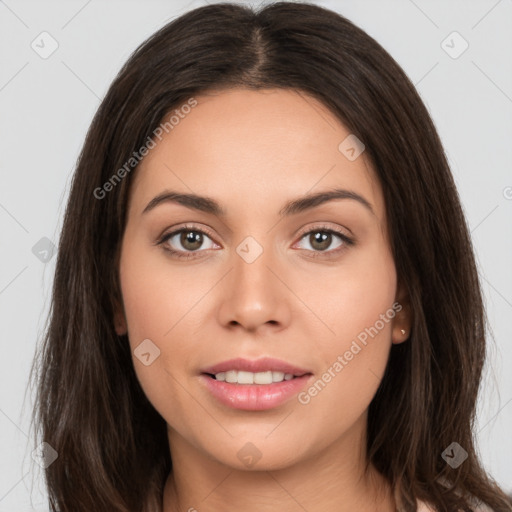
x: 293, y: 207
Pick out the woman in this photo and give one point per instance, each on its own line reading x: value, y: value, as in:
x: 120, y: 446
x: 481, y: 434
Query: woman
x: 265, y: 296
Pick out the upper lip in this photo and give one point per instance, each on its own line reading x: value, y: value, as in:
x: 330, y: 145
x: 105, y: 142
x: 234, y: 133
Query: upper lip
x: 264, y: 364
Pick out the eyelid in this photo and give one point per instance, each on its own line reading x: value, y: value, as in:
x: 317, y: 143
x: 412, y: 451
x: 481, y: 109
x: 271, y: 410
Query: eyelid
x: 184, y: 227
x: 199, y: 227
x: 324, y: 227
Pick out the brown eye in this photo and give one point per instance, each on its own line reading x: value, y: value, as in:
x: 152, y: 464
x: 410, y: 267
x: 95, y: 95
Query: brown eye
x: 320, y: 240
x: 325, y: 242
x: 183, y: 242
x: 191, y: 240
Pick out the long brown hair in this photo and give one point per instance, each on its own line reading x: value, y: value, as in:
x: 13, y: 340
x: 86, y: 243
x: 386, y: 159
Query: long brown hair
x: 113, y: 453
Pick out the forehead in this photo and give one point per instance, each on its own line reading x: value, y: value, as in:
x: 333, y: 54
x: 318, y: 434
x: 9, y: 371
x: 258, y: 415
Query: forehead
x: 252, y: 149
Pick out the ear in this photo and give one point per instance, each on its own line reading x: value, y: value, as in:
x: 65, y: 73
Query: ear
x: 402, y: 322
x: 120, y: 320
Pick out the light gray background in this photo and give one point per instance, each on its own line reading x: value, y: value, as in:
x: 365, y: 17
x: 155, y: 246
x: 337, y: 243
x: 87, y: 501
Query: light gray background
x: 47, y: 105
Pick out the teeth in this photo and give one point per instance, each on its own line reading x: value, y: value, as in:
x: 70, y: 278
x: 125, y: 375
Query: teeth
x: 241, y: 377
x: 277, y: 376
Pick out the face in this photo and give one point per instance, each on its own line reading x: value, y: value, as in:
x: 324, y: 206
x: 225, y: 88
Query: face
x: 311, y: 286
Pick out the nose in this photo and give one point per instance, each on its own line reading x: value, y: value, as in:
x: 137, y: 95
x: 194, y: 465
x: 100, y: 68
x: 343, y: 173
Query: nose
x: 254, y: 295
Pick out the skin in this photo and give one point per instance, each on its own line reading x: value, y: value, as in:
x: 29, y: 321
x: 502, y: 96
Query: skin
x: 252, y: 151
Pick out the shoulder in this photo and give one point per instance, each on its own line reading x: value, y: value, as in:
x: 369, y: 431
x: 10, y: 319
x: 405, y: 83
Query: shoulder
x: 423, y: 507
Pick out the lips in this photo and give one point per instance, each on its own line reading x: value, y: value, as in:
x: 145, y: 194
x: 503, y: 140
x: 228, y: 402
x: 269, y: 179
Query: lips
x: 260, y: 365
x: 253, y: 396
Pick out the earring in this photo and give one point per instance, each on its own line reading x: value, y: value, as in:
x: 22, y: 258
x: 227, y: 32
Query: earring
x: 402, y: 331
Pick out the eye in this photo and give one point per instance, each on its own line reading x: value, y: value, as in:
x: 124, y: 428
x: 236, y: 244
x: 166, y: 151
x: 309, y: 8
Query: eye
x: 188, y: 240
x: 185, y: 240
x: 321, y: 239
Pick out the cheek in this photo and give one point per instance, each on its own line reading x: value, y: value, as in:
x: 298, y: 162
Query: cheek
x: 359, y: 309
x: 159, y: 304
x: 149, y: 300
x: 156, y: 296
x: 352, y: 297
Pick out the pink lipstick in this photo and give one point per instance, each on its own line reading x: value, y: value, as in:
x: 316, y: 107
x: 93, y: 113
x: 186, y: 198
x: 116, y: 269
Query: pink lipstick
x: 254, y: 385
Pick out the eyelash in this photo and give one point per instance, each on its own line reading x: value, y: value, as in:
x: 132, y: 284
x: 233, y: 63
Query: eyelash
x: 347, y: 242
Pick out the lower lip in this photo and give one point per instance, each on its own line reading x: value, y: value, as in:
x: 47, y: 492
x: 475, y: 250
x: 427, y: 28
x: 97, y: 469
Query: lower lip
x: 254, y: 397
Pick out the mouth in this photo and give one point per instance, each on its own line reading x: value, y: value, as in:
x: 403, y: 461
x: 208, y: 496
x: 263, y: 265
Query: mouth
x: 254, y: 385
x: 265, y: 369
